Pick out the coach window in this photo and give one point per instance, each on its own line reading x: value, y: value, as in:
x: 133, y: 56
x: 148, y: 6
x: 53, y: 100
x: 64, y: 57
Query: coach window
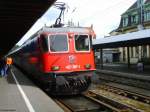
x: 44, y: 43
x: 58, y: 43
x: 82, y: 43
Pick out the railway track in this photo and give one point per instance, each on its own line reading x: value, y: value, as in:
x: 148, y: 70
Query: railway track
x: 119, y: 103
x: 126, y: 93
x: 96, y: 101
x: 139, y: 81
x: 81, y: 104
x: 106, y: 98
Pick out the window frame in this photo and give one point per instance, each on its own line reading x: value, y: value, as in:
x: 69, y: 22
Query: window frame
x: 75, y: 44
x: 125, y: 21
x: 134, y: 19
x: 147, y: 16
x: 58, y: 34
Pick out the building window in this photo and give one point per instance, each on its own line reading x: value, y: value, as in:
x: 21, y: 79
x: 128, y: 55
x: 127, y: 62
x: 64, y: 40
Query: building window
x: 147, y: 16
x: 124, y: 53
x: 132, y: 52
x: 125, y: 21
x: 137, y: 51
x: 148, y: 51
x: 134, y: 19
x: 144, y: 51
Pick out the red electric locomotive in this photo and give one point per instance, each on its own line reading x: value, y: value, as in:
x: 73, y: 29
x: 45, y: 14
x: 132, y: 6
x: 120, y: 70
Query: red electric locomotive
x: 61, y: 58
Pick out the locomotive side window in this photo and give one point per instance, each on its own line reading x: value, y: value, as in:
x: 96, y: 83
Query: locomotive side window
x: 58, y: 43
x: 82, y: 43
x: 44, y: 43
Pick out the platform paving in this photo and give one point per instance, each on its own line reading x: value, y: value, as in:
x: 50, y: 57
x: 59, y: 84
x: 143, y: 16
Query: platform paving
x: 29, y: 98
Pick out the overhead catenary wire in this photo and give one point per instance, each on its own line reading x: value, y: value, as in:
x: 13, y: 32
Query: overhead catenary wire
x: 106, y: 10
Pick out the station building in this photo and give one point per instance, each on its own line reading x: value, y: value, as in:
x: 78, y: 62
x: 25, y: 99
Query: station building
x: 136, y: 18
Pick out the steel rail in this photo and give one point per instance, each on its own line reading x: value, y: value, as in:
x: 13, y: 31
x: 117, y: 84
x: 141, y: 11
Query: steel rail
x: 65, y: 107
x: 71, y: 107
x: 126, y: 93
x: 119, y: 102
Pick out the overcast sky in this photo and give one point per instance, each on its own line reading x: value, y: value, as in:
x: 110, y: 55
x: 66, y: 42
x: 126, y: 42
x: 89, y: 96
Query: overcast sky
x: 105, y: 15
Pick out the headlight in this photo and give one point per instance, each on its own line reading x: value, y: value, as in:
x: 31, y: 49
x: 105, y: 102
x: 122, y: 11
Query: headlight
x: 55, y: 68
x: 88, y: 66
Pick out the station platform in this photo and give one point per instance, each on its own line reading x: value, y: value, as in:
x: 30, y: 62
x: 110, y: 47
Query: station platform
x: 123, y: 67
x: 19, y: 94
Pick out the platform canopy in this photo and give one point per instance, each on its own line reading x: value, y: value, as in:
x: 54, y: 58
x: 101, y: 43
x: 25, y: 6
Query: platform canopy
x: 17, y: 17
x: 141, y: 37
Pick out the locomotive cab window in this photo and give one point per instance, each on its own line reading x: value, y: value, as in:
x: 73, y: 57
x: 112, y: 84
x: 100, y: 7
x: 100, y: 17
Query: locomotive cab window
x: 44, y: 43
x: 82, y: 43
x: 58, y: 43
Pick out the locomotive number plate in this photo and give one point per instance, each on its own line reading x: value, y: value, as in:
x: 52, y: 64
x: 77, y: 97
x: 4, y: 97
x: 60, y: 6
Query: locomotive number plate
x: 72, y: 67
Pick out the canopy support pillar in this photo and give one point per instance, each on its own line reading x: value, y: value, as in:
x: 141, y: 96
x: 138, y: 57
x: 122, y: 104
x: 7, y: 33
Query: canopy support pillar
x: 101, y: 58
x: 128, y: 57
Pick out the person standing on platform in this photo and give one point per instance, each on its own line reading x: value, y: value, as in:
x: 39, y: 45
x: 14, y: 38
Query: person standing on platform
x: 9, y: 61
x: 140, y: 66
x: 8, y: 65
x: 2, y: 67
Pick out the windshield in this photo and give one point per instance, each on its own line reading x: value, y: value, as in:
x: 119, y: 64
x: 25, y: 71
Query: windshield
x: 58, y: 43
x: 82, y: 43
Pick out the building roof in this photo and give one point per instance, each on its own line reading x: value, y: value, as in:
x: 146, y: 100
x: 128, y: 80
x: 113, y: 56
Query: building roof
x: 123, y: 40
x: 134, y: 6
x: 147, y: 1
x: 128, y: 13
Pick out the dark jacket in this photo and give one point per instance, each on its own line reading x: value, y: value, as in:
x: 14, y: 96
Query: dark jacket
x: 2, y: 63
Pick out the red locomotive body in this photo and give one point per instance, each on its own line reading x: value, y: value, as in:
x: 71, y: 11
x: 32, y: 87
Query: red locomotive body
x: 61, y: 58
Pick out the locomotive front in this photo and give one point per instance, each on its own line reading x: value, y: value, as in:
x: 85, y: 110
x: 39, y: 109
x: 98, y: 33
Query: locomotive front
x: 69, y: 60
